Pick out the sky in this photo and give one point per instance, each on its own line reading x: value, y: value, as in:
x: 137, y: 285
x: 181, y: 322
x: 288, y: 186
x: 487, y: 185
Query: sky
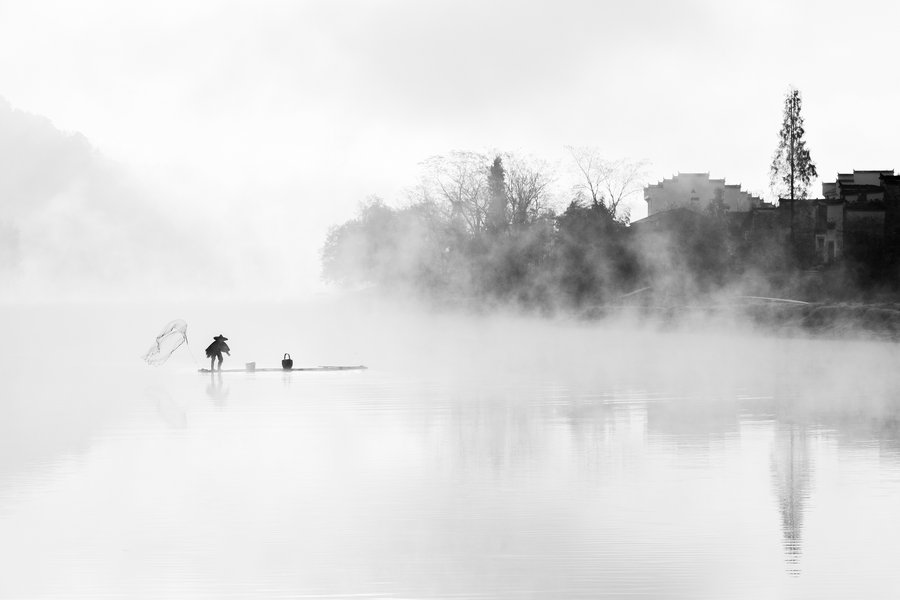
x: 252, y: 127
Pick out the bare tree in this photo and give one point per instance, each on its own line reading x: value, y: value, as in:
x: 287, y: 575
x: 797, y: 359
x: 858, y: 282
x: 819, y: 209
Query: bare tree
x: 607, y: 182
x: 527, y: 188
x: 458, y: 183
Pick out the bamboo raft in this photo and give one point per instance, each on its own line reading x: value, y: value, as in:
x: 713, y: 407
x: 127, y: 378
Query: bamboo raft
x: 253, y: 369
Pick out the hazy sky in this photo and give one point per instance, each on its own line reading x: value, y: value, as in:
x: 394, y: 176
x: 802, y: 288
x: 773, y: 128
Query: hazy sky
x: 283, y: 116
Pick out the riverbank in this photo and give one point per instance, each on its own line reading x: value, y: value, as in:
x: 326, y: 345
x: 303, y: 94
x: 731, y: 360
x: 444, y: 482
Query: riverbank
x: 845, y: 320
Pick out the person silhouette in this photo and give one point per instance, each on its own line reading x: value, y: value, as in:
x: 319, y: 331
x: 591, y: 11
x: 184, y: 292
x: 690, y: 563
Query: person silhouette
x: 215, y: 350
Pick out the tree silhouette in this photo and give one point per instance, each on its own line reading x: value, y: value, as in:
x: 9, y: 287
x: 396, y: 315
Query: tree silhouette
x: 457, y: 183
x: 497, y: 204
x: 792, y: 168
x: 608, y: 182
x: 527, y: 189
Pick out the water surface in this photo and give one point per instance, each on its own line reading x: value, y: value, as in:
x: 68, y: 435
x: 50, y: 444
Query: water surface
x: 482, y: 458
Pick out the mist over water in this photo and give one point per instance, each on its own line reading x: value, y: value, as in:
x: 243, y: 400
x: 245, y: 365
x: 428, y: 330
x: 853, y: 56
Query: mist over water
x: 477, y: 457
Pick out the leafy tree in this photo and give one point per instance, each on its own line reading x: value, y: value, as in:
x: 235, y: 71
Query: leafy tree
x: 387, y: 246
x: 589, y: 256
x: 512, y: 268
x: 792, y: 168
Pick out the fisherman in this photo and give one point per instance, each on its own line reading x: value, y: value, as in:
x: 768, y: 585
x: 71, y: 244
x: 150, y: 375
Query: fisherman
x: 215, y: 350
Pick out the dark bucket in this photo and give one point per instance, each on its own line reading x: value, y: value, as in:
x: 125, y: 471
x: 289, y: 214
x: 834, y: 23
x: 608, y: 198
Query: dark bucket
x: 286, y: 362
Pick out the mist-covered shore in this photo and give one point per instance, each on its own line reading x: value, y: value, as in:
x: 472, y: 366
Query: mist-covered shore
x: 769, y: 317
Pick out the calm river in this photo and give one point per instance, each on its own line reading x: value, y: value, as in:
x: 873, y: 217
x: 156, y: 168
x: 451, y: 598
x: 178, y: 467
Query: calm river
x: 476, y: 458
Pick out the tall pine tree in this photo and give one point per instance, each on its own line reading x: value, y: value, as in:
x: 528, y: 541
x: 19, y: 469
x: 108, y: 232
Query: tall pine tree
x: 792, y: 168
x: 497, y: 204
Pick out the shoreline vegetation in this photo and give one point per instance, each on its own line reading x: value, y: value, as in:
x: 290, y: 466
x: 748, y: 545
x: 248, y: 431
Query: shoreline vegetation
x: 481, y: 233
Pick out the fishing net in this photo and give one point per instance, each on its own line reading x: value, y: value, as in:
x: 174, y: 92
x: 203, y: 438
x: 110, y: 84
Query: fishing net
x: 172, y: 336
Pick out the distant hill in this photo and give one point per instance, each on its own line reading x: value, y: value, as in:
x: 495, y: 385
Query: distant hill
x: 75, y: 223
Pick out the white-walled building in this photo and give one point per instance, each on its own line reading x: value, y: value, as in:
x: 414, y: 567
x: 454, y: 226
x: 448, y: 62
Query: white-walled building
x: 858, y: 186
x: 697, y: 192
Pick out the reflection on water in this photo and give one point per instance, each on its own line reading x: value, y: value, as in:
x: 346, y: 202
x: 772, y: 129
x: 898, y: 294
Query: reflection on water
x: 791, y: 473
x: 216, y: 390
x: 588, y: 480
